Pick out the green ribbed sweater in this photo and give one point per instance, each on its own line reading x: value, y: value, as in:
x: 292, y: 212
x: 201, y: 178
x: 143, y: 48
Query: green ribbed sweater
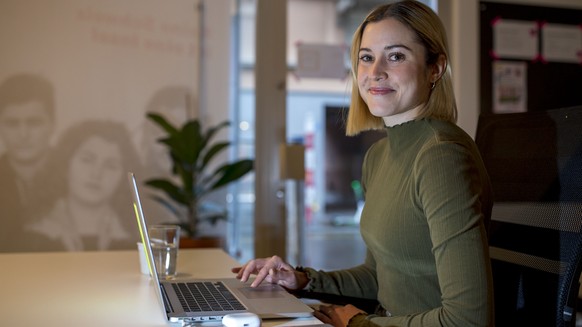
x: 428, y: 202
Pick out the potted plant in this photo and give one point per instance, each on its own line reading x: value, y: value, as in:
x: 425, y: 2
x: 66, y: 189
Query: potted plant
x: 191, y: 151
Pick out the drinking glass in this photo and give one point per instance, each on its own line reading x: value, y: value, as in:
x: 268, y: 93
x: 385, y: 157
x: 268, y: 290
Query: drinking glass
x: 165, y: 241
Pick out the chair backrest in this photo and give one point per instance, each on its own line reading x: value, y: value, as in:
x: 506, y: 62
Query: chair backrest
x: 534, y: 160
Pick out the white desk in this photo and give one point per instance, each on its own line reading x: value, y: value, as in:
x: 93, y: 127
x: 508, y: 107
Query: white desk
x: 96, y: 288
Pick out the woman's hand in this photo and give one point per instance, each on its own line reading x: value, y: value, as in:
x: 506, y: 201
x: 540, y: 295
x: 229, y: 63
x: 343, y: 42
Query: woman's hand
x: 272, y: 270
x: 336, y: 315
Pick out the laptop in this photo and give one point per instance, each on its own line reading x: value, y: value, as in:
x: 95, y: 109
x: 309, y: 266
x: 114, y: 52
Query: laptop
x: 268, y: 301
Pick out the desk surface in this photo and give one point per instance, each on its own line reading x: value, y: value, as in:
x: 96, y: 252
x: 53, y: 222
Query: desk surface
x: 95, y: 288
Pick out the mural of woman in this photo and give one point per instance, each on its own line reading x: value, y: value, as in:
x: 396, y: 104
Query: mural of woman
x: 92, y: 210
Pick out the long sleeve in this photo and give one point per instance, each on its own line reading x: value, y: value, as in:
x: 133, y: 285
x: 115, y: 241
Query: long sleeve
x: 428, y: 200
x: 359, y: 281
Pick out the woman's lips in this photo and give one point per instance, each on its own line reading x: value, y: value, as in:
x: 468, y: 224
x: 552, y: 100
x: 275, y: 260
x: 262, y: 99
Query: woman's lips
x: 91, y: 185
x: 380, y: 90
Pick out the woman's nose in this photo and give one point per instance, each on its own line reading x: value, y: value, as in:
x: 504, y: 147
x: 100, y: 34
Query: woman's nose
x: 379, y: 71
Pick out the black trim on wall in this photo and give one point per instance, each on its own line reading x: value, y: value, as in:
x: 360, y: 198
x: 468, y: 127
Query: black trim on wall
x: 550, y: 85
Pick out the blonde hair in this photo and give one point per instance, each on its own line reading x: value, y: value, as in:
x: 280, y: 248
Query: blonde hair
x: 431, y: 34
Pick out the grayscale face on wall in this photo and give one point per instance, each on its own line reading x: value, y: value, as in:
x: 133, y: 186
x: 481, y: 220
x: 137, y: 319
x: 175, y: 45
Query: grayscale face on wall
x: 95, y: 171
x: 25, y: 130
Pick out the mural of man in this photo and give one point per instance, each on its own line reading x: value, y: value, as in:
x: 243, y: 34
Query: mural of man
x: 27, y: 119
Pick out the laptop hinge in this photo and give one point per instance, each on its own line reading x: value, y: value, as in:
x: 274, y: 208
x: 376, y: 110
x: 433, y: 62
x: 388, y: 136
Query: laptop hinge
x: 167, y: 304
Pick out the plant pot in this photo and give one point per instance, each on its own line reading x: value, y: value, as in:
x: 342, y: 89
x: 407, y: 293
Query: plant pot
x: 201, y: 242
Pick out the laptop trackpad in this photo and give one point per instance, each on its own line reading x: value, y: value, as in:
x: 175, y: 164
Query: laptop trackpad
x: 263, y: 292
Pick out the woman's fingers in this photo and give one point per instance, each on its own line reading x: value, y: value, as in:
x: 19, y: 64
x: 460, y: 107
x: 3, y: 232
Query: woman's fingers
x: 267, y: 270
x: 248, y: 269
x: 261, y: 275
x: 245, y: 271
x: 324, y: 314
x: 337, y: 315
x: 271, y: 269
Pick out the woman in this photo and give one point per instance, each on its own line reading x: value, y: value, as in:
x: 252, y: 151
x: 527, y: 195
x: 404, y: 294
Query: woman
x: 428, y: 197
x: 92, y: 210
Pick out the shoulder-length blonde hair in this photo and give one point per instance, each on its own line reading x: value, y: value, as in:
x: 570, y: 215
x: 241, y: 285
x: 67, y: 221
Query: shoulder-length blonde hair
x: 431, y: 34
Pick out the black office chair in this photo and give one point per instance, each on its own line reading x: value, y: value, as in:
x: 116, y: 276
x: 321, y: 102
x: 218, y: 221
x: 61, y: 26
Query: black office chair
x: 534, y: 160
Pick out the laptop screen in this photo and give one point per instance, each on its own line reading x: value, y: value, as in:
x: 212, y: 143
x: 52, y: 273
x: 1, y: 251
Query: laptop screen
x: 143, y: 232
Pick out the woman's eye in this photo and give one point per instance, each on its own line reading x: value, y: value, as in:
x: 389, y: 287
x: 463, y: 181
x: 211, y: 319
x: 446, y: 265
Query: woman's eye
x: 365, y: 58
x: 396, y: 56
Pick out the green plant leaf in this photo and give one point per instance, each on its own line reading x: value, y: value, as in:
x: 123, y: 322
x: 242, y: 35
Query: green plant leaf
x: 213, y: 130
x: 188, y: 177
x: 172, y: 190
x: 231, y: 172
x: 192, y: 143
x: 162, y: 122
x: 214, y: 150
x: 191, y: 151
x: 214, y: 217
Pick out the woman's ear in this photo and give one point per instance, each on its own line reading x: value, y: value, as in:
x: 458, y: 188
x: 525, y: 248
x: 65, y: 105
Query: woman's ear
x: 438, y: 68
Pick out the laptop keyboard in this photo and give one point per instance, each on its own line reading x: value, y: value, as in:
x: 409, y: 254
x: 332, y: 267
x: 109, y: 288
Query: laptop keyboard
x: 206, y: 296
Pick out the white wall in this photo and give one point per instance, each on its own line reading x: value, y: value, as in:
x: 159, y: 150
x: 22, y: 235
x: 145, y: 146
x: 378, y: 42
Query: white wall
x: 100, y: 68
x: 215, y: 52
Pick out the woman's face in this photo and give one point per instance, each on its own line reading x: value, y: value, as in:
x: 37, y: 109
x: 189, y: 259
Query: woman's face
x: 393, y: 79
x: 95, y: 171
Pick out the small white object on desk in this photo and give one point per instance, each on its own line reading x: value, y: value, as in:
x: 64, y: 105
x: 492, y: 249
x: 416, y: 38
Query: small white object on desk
x: 245, y: 319
x: 143, y: 262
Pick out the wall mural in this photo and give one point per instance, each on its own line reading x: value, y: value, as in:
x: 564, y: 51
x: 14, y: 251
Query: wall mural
x: 76, y: 79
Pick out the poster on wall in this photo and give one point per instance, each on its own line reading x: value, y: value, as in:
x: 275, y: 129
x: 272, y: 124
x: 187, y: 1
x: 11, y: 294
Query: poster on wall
x: 514, y: 39
x: 555, y: 72
x: 562, y: 43
x: 76, y: 79
x: 509, y: 87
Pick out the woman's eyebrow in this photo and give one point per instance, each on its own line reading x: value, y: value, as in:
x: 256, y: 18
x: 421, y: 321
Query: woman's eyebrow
x: 388, y: 47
